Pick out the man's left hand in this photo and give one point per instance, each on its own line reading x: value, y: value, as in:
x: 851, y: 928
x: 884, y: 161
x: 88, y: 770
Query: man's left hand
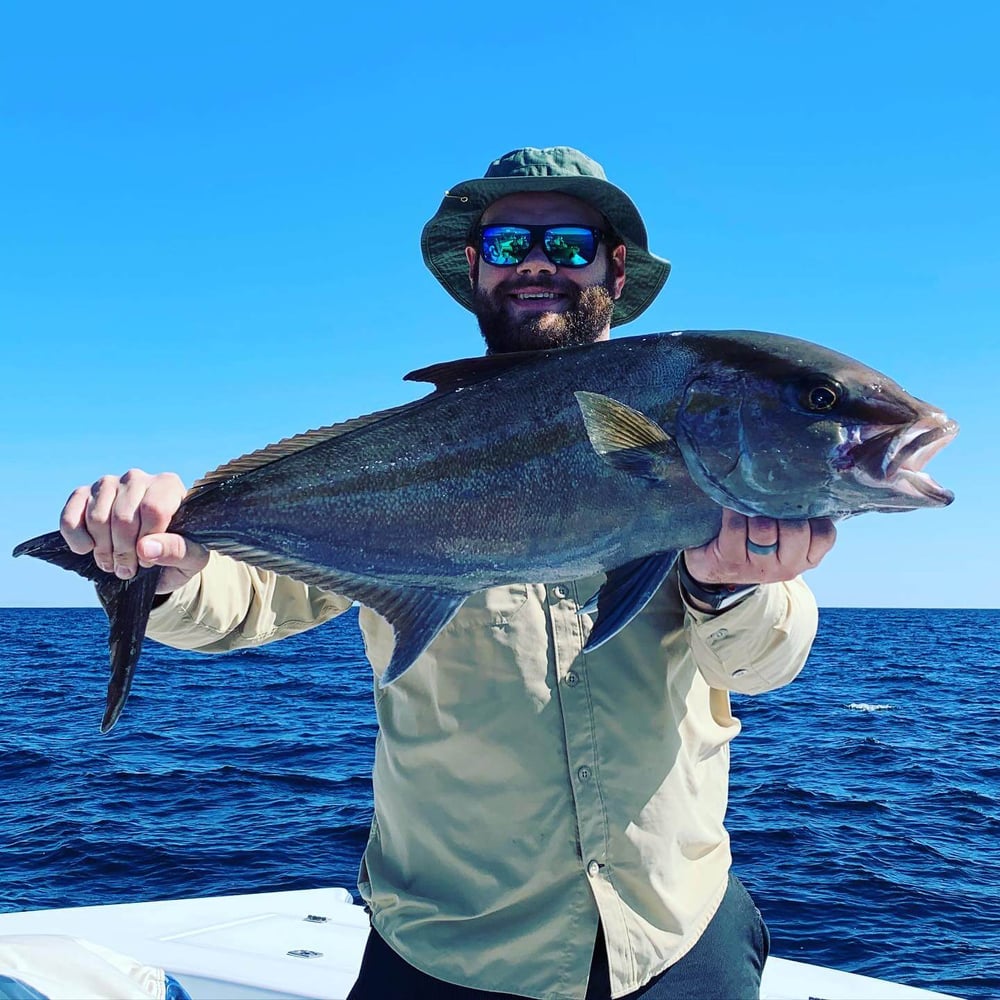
x: 760, y: 550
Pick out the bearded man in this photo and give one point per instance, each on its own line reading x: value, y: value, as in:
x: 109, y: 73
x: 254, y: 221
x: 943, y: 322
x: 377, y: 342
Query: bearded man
x: 548, y: 823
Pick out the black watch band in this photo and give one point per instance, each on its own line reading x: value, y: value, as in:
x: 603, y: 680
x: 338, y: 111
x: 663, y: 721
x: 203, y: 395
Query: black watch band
x: 718, y: 596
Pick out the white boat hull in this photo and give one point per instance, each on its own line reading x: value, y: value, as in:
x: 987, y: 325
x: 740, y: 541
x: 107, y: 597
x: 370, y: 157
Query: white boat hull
x: 308, y: 943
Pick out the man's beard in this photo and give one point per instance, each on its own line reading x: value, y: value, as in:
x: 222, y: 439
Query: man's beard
x: 583, y: 323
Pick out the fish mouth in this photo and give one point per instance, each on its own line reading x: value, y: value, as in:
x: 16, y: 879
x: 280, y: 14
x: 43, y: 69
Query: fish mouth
x: 891, y: 458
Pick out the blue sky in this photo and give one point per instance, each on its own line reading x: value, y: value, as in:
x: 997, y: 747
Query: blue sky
x: 210, y: 222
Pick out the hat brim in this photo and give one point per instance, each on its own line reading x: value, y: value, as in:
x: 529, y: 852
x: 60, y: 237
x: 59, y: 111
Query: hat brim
x: 446, y: 235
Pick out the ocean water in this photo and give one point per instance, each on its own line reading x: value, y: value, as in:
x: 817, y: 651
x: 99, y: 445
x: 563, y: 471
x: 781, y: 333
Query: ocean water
x: 865, y: 804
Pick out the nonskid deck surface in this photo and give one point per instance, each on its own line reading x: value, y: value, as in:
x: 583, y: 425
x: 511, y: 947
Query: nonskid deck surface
x: 308, y: 943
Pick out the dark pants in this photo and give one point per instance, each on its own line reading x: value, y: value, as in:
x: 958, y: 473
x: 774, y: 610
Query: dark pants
x: 725, y: 964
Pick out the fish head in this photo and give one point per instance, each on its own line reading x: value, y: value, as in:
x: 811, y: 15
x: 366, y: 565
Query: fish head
x: 783, y: 428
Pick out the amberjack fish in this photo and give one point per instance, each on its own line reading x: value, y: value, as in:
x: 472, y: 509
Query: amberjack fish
x: 545, y: 466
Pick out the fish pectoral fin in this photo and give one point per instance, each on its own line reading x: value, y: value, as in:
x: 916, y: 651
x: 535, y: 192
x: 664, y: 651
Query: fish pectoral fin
x: 416, y: 617
x: 625, y: 438
x: 625, y: 593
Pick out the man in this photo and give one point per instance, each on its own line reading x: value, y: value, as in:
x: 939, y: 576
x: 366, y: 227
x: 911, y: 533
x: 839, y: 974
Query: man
x: 547, y: 823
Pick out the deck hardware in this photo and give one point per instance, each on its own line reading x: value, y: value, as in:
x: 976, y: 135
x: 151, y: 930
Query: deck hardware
x: 305, y: 953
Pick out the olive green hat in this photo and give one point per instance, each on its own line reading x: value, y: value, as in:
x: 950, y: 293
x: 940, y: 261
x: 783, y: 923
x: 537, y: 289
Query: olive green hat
x: 558, y: 168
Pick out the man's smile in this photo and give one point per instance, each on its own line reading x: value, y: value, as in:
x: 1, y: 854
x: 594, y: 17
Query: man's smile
x: 538, y: 299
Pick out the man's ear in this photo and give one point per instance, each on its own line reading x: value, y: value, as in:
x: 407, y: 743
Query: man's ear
x: 470, y: 256
x: 617, y: 266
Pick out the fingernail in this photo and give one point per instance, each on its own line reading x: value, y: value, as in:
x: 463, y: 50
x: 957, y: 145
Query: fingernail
x: 153, y: 550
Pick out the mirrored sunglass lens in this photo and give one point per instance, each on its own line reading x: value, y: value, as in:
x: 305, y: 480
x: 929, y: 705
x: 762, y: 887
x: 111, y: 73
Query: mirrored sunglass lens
x: 570, y: 246
x: 503, y: 245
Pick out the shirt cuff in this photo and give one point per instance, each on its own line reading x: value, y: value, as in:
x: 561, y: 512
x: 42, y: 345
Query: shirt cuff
x: 761, y: 643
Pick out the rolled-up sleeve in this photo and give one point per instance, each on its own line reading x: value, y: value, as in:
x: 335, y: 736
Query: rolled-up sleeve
x: 759, y: 644
x: 231, y: 605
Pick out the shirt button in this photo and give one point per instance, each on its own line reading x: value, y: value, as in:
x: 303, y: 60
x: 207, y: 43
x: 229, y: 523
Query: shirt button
x: 593, y: 869
x: 720, y: 633
x: 559, y: 592
x: 739, y: 672
x: 583, y: 773
x: 572, y: 679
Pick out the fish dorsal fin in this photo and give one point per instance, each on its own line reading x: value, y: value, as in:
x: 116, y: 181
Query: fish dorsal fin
x: 288, y: 446
x: 445, y: 376
x: 625, y: 438
x: 448, y: 375
x: 626, y: 592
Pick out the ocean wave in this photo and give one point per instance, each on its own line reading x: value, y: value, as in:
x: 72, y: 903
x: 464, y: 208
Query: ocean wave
x: 864, y: 809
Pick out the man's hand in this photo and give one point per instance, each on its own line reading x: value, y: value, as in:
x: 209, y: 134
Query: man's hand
x: 734, y: 556
x: 123, y: 521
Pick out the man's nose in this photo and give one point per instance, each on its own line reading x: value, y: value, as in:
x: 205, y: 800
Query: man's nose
x: 536, y: 262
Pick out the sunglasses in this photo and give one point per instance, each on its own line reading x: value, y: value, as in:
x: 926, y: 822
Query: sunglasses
x: 565, y: 246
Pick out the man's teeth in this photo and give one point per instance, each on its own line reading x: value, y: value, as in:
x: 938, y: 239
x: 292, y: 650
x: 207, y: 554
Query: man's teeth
x: 535, y: 295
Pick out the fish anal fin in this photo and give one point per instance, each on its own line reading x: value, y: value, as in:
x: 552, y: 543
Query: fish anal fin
x: 298, y: 569
x: 416, y: 618
x: 416, y: 614
x: 625, y: 593
x: 625, y: 438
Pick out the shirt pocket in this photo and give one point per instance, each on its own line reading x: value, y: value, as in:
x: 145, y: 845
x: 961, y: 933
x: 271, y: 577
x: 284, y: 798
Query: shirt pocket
x: 496, y: 608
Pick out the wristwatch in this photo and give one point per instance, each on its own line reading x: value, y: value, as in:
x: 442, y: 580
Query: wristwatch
x: 718, y: 596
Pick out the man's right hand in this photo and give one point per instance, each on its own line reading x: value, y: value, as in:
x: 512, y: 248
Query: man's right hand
x: 123, y: 521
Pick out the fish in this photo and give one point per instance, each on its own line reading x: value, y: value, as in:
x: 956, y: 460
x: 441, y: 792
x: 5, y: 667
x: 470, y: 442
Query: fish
x: 543, y: 466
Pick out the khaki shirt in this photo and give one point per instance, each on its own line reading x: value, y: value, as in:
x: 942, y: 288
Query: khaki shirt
x: 525, y: 790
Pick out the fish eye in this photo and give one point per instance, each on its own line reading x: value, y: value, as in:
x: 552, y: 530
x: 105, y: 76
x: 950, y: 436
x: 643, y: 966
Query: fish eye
x: 821, y: 396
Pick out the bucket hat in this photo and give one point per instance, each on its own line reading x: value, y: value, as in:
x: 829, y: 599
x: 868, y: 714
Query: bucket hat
x: 556, y: 168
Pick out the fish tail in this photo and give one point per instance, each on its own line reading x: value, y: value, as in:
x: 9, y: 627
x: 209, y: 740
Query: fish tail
x: 127, y: 604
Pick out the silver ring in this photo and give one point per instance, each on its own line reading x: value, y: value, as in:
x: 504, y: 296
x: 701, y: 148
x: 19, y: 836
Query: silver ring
x: 762, y: 550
